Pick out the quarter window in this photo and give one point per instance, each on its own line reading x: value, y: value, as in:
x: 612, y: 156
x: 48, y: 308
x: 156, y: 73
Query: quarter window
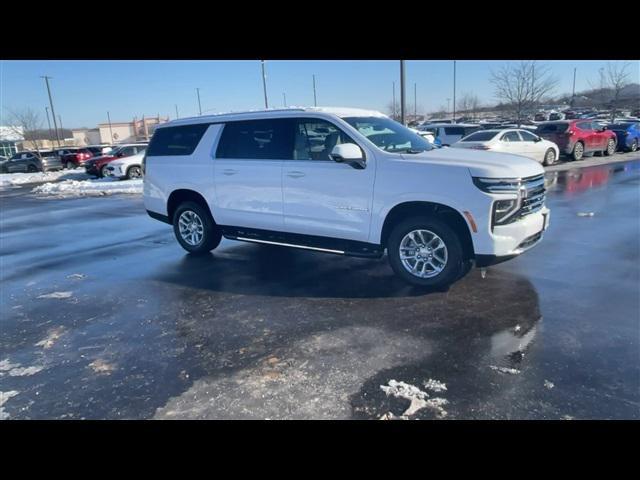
x: 314, y: 139
x: 257, y: 139
x: 181, y: 140
x: 527, y: 136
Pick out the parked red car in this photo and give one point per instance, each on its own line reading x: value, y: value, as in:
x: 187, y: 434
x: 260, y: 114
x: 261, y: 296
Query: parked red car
x: 579, y: 137
x: 98, y: 166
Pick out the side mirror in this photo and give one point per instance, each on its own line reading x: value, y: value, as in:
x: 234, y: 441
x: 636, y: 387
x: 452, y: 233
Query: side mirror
x: 348, y: 153
x: 538, y: 139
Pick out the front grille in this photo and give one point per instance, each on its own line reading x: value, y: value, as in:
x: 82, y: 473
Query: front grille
x: 533, y: 201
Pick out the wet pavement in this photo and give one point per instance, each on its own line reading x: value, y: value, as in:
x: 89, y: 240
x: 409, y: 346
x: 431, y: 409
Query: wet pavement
x: 138, y: 329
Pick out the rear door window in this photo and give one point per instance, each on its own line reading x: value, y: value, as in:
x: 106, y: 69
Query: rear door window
x: 511, y: 137
x: 584, y: 126
x: 270, y: 139
x: 179, y: 140
x: 527, y: 136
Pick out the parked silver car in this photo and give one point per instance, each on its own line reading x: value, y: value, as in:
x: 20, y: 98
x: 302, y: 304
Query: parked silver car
x: 31, y: 161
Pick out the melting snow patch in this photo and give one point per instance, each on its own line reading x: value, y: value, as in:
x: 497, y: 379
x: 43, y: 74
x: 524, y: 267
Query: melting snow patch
x: 7, y: 365
x: 77, y: 276
x: 586, y: 214
x: 13, y: 179
x: 548, y: 385
x: 56, y: 295
x: 434, y: 385
x: 25, y: 371
x: 4, y: 396
x: 510, y: 371
x: 417, y: 397
x: 51, y: 338
x: 102, y: 186
x: 100, y: 366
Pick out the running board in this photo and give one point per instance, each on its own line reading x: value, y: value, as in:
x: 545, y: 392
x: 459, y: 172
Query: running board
x: 306, y: 242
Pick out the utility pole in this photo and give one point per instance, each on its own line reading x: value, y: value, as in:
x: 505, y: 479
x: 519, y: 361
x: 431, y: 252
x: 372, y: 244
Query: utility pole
x: 264, y: 85
x: 61, y: 129
x: 402, y: 95
x: 394, y: 101
x: 199, y: 105
x: 573, y: 91
x: 284, y: 99
x: 315, y: 101
x: 177, y: 116
x: 454, y: 92
x: 49, y: 123
x: 110, y: 130
x: 53, y: 112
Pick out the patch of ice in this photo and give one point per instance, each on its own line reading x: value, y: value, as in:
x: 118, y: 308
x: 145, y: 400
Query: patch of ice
x: 97, y: 187
x: 417, y: 397
x: 77, y: 276
x: 4, y: 397
x: 548, y: 385
x: 25, y: 371
x: 6, y: 365
x: 8, y: 180
x: 434, y: 385
x: 510, y: 371
x: 586, y: 214
x: 56, y: 295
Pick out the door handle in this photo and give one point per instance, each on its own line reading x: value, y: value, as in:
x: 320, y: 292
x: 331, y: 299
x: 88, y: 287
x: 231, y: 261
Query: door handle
x: 295, y: 174
x: 229, y: 171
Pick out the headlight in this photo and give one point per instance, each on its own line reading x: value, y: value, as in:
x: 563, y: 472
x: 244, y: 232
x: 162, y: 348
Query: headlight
x: 502, y: 210
x: 497, y: 185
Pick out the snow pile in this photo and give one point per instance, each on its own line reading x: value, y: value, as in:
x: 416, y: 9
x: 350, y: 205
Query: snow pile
x: 99, y: 187
x: 4, y: 397
x: 56, y: 295
x: 417, y: 397
x: 510, y: 371
x: 15, y: 179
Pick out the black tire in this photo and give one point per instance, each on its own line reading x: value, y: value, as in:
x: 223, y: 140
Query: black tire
x: 134, y: 172
x: 70, y: 166
x: 578, y: 152
x: 103, y: 171
x: 548, y: 160
x: 32, y: 169
x: 611, y: 148
x: 454, y: 265
x: 634, y: 146
x: 211, y: 233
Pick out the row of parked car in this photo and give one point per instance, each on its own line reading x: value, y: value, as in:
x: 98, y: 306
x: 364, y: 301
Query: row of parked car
x: 96, y: 160
x: 544, y: 142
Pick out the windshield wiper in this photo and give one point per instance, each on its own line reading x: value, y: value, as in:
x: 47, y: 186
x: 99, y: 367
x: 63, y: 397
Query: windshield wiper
x: 411, y: 150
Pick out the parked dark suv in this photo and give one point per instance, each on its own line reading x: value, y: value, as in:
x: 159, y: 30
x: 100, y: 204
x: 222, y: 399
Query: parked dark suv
x: 32, y: 161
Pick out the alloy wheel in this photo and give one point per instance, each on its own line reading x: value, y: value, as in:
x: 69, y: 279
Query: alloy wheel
x: 191, y: 228
x: 423, y: 253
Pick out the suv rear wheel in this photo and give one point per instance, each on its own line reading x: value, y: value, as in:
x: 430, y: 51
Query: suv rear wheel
x: 611, y: 147
x: 578, y: 151
x: 425, y: 252
x: 194, y: 228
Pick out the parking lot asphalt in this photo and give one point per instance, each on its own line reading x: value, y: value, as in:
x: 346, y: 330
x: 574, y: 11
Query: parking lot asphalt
x: 103, y: 315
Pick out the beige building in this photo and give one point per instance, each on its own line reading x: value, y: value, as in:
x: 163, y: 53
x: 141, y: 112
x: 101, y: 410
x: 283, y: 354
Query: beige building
x: 119, y: 132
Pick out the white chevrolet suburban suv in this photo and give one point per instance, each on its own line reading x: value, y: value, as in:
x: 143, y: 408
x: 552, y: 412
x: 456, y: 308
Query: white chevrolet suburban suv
x: 343, y: 181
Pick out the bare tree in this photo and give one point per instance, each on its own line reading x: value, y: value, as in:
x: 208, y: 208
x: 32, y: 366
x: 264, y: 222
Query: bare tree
x: 616, y: 79
x: 469, y: 104
x: 521, y: 86
x: 26, y: 123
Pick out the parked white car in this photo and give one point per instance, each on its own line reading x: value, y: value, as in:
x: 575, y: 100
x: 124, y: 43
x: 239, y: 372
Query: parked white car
x: 515, y: 141
x: 342, y: 181
x: 127, y: 167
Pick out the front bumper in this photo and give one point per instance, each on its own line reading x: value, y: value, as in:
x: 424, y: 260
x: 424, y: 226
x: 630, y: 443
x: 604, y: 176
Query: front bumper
x: 514, y: 239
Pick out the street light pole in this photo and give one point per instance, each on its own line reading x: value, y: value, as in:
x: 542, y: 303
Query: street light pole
x: 61, y: 129
x: 454, y: 92
x: 284, y: 99
x: 402, y: 95
x: 573, y: 91
x: 199, y: 104
x: 53, y: 112
x: 110, y: 130
x: 177, y: 116
x: 264, y: 85
x: 315, y: 101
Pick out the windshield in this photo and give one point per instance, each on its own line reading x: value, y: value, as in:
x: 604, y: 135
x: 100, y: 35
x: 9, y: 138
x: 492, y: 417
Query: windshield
x: 389, y: 135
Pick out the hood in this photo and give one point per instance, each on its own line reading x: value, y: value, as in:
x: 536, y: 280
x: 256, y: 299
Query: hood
x: 481, y: 163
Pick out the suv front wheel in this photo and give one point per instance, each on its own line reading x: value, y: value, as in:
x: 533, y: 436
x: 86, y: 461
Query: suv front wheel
x: 194, y: 228
x: 425, y: 252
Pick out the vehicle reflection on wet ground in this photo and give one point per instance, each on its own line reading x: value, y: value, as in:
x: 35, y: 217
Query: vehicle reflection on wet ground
x: 140, y: 330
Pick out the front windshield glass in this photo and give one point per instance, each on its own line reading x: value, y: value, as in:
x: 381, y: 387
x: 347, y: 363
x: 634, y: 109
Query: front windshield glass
x: 389, y: 135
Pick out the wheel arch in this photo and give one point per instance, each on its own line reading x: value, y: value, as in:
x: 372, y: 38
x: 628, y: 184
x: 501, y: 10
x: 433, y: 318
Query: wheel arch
x: 185, y: 195
x: 450, y: 215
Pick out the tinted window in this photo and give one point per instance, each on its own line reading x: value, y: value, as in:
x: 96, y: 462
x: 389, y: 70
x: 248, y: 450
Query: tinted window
x: 483, y: 136
x: 584, y: 125
x: 527, y: 136
x: 181, y: 140
x: 257, y: 139
x: 511, y: 137
x: 553, y: 128
x: 470, y: 130
x: 315, y: 139
x: 454, y: 131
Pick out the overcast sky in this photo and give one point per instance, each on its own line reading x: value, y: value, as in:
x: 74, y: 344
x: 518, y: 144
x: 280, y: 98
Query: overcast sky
x: 83, y: 91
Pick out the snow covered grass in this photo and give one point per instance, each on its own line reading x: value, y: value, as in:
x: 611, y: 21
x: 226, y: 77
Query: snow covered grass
x: 96, y: 187
x: 8, y: 180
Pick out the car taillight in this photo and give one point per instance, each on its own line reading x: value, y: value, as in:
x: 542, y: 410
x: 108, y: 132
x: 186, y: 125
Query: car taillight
x: 570, y: 132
